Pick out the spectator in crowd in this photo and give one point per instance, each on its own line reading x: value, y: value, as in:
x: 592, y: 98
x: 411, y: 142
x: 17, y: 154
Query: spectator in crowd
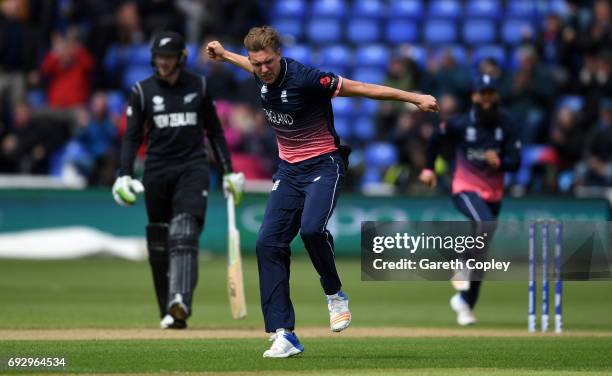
x: 196, y: 16
x: 531, y: 95
x: 100, y: 16
x: 160, y: 15
x: 567, y: 138
x: 449, y: 77
x: 232, y: 19
x: 490, y: 66
x: 256, y: 152
x: 221, y: 81
x: 403, y: 73
x: 30, y: 146
x: 595, y: 80
x: 68, y: 68
x: 126, y: 33
x: 559, y: 49
x: 18, y: 51
x: 596, y: 168
x: 93, y: 147
x: 599, y: 34
x: 128, y: 24
x: 410, y: 136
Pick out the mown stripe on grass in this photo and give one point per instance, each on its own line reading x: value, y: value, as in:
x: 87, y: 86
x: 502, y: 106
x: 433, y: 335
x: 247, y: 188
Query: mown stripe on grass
x: 338, y: 355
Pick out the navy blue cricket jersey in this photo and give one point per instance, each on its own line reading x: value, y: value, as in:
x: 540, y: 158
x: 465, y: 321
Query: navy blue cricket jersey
x: 472, y: 139
x: 298, y: 108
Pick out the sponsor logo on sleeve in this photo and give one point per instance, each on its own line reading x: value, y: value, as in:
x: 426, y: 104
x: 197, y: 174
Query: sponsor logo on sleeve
x: 158, y: 104
x: 325, y: 81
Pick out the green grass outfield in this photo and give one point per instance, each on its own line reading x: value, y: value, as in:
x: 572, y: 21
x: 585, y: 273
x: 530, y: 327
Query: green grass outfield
x: 102, y: 294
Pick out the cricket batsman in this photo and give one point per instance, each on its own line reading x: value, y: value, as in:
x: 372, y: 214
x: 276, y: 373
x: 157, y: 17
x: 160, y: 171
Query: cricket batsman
x: 175, y: 109
x: 296, y: 100
x: 486, y: 146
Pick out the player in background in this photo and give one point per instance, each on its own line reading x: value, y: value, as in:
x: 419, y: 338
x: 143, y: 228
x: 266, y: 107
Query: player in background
x: 486, y: 146
x: 176, y: 111
x: 296, y: 100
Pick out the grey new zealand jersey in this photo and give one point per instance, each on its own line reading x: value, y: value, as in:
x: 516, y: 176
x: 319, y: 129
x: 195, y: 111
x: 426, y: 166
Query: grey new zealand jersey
x: 176, y: 118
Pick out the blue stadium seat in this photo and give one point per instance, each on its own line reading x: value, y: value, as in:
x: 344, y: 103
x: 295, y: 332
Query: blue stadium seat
x: 512, y: 30
x: 37, y: 98
x: 380, y: 154
x: 299, y: 52
x: 368, y: 107
x: 324, y: 30
x: 290, y: 8
x: 371, y: 175
x: 374, y: 55
x: 339, y: 71
x: 328, y: 8
x: 557, y: 7
x: 140, y: 54
x: 572, y: 102
x: 240, y: 74
x: 135, y: 73
x: 444, y: 9
x: 344, y: 106
x: 364, y: 128
x: 490, y: 51
x: 368, y: 8
x: 337, y: 55
x: 521, y: 9
x: 343, y: 126
x: 412, y: 9
x: 289, y: 27
x: 401, y: 31
x: 115, y: 102
x: 363, y: 30
x: 371, y: 75
x: 440, y: 32
x: 490, y: 9
x: 479, y: 31
x: 192, y: 55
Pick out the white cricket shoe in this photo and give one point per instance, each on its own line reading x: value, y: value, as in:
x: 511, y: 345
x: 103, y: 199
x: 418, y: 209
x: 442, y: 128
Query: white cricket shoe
x: 284, y: 345
x: 339, y: 314
x: 465, y: 316
x: 168, y: 322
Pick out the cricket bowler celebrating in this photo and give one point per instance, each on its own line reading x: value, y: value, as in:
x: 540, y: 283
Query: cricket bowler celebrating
x: 296, y: 100
x: 177, y: 112
x: 486, y: 146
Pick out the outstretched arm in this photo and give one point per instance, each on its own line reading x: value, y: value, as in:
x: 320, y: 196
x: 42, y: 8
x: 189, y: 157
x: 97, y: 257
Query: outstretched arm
x: 215, y: 51
x: 352, y: 88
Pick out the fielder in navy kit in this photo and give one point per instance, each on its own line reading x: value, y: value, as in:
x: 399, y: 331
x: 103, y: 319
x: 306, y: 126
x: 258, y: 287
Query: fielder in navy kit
x: 486, y: 146
x: 296, y: 100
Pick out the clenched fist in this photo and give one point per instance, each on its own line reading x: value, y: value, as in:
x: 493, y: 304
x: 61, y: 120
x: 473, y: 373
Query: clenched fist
x: 215, y: 51
x: 427, y: 103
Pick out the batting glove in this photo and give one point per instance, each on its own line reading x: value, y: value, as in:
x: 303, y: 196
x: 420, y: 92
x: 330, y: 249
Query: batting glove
x: 125, y: 190
x: 233, y: 183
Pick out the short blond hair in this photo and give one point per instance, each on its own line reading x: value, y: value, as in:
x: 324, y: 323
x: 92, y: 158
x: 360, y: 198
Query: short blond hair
x: 261, y: 37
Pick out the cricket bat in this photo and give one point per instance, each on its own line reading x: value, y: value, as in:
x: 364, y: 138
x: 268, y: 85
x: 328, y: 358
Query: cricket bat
x: 235, y: 282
